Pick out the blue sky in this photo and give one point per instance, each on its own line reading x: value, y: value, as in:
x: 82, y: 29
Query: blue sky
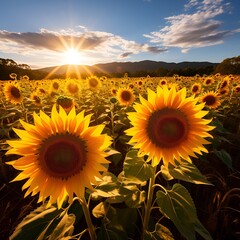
x: 54, y: 32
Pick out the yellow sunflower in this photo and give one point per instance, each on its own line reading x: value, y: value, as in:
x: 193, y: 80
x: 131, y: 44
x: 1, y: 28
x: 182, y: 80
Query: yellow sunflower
x: 72, y: 87
x: 225, y: 82
x: 55, y: 85
x: 13, y: 76
x: 61, y: 155
x: 237, y: 89
x: 35, y: 98
x: 208, y: 81
x: 94, y: 83
x: 211, y: 99
x: 113, y: 91
x: 169, y: 126
x: 223, y: 91
x: 196, y: 88
x: 125, y: 96
x: 162, y: 82
x: 12, y: 93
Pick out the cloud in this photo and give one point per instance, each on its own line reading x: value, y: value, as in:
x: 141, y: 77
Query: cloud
x: 103, y: 44
x: 125, y: 54
x: 193, y: 30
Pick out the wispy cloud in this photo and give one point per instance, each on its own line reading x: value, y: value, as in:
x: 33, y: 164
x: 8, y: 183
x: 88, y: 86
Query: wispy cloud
x: 93, y: 43
x: 195, y: 29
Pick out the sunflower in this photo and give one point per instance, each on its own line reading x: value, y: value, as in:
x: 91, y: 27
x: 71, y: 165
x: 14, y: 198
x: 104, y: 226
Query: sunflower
x: 162, y: 82
x: 113, y: 91
x: 125, y: 96
x: 66, y: 103
x: 168, y: 126
x: 196, y: 88
x: 93, y: 83
x: 131, y: 86
x: 223, y: 91
x: 13, y: 76
x: 61, y: 155
x: 12, y: 93
x: 237, y: 89
x: 211, y: 99
x: 225, y: 82
x: 35, y: 98
x: 72, y: 87
x: 55, y: 85
x: 25, y: 78
x: 208, y: 81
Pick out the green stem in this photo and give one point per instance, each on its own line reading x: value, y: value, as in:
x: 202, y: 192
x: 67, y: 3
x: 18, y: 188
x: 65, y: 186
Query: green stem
x: 149, y: 201
x: 91, y: 228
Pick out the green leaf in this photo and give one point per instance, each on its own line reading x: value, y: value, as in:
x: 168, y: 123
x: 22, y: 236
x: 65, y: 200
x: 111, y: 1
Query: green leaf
x: 225, y: 157
x: 178, y: 206
x: 136, y: 198
x: 38, y: 221
x: 111, y: 188
x: 118, y: 224
x: 99, y: 210
x: 185, y: 171
x: 136, y: 169
x: 163, y: 232
x: 160, y: 233
x: 64, y: 228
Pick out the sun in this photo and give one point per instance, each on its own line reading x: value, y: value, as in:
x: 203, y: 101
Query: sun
x: 73, y: 56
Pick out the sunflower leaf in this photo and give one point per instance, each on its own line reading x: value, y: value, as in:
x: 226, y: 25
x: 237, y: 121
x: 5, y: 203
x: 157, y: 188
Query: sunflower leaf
x: 118, y: 223
x: 160, y: 233
x: 185, y: 171
x: 64, y: 228
x: 178, y: 206
x: 225, y: 157
x: 37, y: 223
x: 111, y: 188
x: 136, y: 169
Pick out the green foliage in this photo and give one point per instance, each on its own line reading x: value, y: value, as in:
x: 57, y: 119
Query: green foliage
x: 160, y: 233
x: 49, y: 223
x: 177, y: 205
x: 225, y: 157
x: 229, y: 66
x: 117, y: 223
x: 135, y: 169
x: 184, y: 171
x: 38, y: 224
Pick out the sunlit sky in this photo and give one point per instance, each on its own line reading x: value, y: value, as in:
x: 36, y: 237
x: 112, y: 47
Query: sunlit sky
x: 55, y: 32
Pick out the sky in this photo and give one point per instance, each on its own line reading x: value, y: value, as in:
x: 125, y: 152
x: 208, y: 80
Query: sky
x: 55, y: 32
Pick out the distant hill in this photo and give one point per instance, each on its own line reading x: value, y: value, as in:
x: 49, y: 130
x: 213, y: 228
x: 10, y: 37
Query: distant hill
x: 123, y: 67
x: 113, y: 69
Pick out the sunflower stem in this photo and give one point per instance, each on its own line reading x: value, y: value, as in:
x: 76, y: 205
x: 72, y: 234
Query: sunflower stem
x: 149, y: 201
x: 91, y: 228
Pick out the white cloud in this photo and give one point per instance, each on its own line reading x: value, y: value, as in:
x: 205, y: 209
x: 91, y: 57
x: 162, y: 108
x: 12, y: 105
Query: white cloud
x: 92, y: 43
x: 193, y: 30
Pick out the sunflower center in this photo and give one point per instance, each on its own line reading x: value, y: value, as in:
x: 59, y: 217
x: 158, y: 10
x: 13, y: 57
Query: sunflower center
x: 209, y: 100
x: 62, y: 155
x: 93, y: 82
x: 167, y: 127
x: 72, y: 88
x: 195, y: 88
x: 15, y: 92
x: 126, y: 95
x: 65, y: 102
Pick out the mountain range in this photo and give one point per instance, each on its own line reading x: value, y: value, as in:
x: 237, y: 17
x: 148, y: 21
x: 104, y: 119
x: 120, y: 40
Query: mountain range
x: 123, y: 67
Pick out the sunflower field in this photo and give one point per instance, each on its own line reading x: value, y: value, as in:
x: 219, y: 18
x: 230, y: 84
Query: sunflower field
x: 120, y: 158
